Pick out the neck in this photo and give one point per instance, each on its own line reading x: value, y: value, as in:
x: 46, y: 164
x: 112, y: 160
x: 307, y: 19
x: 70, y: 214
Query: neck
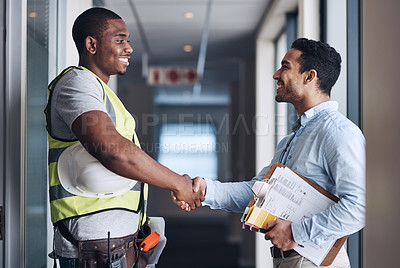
x: 94, y: 69
x: 310, y: 103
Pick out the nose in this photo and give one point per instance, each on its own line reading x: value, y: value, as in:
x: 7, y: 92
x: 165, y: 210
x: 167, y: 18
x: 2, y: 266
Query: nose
x: 276, y: 74
x: 129, y: 48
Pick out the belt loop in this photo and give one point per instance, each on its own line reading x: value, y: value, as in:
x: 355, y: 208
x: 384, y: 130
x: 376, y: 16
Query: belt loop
x: 282, y: 255
x: 271, y: 249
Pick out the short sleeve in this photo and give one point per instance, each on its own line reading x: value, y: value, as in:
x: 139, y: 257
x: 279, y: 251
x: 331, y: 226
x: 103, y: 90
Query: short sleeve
x: 76, y: 93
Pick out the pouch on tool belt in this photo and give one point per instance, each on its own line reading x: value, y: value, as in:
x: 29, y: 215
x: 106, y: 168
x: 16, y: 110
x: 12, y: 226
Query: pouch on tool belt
x: 146, y: 243
x: 104, y: 253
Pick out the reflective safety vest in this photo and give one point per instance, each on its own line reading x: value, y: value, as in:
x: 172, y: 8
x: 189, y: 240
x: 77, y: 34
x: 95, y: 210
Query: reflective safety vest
x: 64, y: 205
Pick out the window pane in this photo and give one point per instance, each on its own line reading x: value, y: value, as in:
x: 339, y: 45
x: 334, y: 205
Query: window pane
x: 281, y: 119
x: 36, y: 137
x: 189, y: 149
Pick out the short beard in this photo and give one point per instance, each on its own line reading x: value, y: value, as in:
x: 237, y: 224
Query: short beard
x: 289, y: 95
x: 291, y: 98
x: 279, y: 98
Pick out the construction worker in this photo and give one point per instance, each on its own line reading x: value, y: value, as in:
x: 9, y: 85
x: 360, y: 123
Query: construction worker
x: 98, y: 174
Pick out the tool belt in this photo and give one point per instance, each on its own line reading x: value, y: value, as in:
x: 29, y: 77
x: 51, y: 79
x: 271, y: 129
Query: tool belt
x: 123, y: 252
x: 116, y: 252
x: 132, y: 251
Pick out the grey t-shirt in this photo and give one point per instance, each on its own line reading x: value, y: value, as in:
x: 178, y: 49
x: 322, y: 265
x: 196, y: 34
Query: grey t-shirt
x: 75, y: 93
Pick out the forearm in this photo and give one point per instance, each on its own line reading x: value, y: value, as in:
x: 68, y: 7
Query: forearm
x: 97, y: 133
x: 126, y: 159
x: 229, y: 196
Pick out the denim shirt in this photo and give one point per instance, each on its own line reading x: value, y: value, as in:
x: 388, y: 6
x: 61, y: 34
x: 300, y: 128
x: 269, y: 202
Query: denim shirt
x: 326, y: 148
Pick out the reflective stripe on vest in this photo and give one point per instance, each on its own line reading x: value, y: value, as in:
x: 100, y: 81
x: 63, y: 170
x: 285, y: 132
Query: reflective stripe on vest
x: 65, y: 205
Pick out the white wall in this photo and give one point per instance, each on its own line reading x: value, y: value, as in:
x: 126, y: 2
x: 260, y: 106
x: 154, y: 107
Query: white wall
x: 337, y: 38
x: 281, y: 108
x: 265, y: 128
x: 68, y: 11
x: 309, y: 19
x: 381, y: 98
x: 265, y: 101
x: 67, y: 53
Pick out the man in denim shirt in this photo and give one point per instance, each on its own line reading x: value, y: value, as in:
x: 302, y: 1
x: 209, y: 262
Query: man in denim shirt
x: 325, y: 147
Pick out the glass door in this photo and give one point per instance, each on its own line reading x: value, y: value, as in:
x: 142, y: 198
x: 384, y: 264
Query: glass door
x: 39, y: 16
x: 2, y: 134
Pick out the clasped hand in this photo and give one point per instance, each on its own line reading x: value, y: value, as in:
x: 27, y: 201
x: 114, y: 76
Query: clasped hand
x: 280, y: 234
x: 197, y: 189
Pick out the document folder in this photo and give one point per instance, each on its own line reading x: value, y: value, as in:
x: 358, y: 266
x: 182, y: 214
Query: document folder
x: 301, y: 195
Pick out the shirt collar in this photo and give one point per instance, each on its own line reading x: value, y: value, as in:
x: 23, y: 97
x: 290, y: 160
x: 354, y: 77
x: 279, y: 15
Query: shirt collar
x: 309, y: 114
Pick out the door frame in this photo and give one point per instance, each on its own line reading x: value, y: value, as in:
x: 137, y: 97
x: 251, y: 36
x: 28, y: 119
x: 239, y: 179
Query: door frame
x: 13, y: 137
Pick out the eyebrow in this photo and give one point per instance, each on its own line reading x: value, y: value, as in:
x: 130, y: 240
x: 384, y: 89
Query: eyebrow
x: 122, y: 34
x: 285, y: 62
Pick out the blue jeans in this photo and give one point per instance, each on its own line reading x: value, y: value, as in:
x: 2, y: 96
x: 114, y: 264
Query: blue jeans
x: 68, y: 263
x: 73, y: 263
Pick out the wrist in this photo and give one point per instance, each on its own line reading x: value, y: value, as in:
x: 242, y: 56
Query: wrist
x: 209, y: 192
x: 178, y: 184
x: 205, y: 188
x: 297, y: 234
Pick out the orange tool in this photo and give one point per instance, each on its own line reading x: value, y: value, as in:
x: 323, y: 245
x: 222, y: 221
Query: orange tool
x: 150, y: 241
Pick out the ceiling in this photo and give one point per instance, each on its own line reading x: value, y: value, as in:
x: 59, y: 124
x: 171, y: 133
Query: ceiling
x: 159, y: 27
x: 221, y: 33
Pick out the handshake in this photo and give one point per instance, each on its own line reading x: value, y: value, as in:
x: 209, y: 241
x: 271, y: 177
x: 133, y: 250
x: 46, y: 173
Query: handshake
x: 189, y: 194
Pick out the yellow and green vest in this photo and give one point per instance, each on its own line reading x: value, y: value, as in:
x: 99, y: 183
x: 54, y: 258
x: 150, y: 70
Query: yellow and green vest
x: 64, y: 205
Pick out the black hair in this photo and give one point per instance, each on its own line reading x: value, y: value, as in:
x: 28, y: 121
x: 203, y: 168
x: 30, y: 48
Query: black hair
x: 322, y: 58
x: 92, y: 22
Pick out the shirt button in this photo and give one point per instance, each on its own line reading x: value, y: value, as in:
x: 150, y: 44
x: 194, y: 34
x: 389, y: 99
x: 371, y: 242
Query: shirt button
x: 289, y: 157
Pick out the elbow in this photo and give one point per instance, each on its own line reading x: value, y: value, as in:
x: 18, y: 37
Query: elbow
x: 110, y: 155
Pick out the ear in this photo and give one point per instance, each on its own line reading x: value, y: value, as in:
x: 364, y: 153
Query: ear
x: 311, y: 75
x: 91, y: 44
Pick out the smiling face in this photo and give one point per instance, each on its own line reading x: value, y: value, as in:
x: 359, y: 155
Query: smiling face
x: 112, y: 51
x: 289, y: 79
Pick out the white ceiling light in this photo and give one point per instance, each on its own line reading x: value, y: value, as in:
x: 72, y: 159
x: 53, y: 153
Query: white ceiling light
x: 188, y: 15
x: 187, y: 48
x: 32, y: 15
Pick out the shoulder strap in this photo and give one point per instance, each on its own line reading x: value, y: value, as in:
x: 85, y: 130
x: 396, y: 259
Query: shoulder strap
x: 66, y: 233
x: 141, y: 207
x: 50, y: 89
